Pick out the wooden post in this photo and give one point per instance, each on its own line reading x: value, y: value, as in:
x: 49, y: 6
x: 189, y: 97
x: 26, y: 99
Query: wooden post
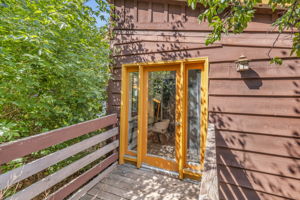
x: 123, y: 115
x: 204, y: 109
x: 141, y: 121
x: 182, y: 120
x: 115, y: 137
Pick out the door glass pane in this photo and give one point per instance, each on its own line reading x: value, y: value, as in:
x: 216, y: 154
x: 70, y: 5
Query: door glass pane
x: 133, y: 110
x: 194, y: 114
x: 161, y: 113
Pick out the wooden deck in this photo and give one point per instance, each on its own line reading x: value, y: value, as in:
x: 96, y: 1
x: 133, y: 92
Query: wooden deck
x: 127, y: 182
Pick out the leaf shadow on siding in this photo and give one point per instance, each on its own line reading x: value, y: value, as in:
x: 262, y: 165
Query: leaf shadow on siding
x: 231, y: 177
x: 151, y: 57
x: 293, y: 146
x: 241, y: 180
x: 256, y: 183
x: 231, y: 166
x: 137, y: 49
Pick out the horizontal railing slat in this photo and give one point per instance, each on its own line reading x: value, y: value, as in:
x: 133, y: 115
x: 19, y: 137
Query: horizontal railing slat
x: 93, y: 182
x: 75, y: 184
x: 16, y: 149
x: 36, y: 166
x: 49, y: 181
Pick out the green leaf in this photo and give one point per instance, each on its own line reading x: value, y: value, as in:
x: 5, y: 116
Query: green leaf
x: 230, y: 16
x: 54, y: 65
x: 276, y: 60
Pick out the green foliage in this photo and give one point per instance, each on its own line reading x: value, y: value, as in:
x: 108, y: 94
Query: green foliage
x: 53, y: 65
x: 276, y: 60
x: 234, y: 15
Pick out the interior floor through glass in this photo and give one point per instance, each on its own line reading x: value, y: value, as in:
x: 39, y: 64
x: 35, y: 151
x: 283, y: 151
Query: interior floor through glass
x: 161, y: 113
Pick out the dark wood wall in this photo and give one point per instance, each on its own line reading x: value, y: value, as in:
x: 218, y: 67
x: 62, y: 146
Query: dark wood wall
x: 256, y: 113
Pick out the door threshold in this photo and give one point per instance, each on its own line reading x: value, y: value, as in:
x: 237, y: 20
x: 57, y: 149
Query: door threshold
x: 161, y: 171
x: 168, y: 173
x: 192, y: 170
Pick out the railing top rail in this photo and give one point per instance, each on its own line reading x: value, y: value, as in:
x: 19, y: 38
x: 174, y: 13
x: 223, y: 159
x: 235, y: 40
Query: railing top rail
x: 19, y: 148
x: 18, y: 174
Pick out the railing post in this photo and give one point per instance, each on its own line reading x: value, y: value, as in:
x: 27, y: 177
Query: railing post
x: 115, y: 137
x: 112, y: 139
x: 22, y: 147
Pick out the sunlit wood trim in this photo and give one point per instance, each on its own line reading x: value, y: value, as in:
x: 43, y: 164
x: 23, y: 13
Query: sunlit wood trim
x: 130, y: 152
x: 132, y: 162
x: 191, y: 175
x: 161, y: 163
x: 181, y: 151
x: 178, y: 115
x: 128, y: 70
x: 193, y: 167
x: 159, y: 63
x: 132, y: 159
x: 132, y: 69
x: 204, y: 109
x: 188, y: 67
x: 140, y: 117
x: 145, y: 115
x: 172, y: 67
x: 124, y: 111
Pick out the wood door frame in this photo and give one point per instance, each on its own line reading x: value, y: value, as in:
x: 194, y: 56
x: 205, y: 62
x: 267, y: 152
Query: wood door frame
x: 123, y: 149
x: 153, y: 160
x: 185, y: 165
x: 181, y: 92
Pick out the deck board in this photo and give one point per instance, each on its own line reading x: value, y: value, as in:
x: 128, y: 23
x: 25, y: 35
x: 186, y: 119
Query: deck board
x: 127, y: 182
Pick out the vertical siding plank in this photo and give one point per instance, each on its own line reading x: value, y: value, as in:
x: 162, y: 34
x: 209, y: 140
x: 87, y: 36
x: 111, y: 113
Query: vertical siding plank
x: 183, y: 14
x: 135, y: 4
x: 166, y: 13
x: 150, y: 12
x: 123, y: 11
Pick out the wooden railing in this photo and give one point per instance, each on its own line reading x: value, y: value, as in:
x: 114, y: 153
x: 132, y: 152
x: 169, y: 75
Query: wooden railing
x: 23, y: 147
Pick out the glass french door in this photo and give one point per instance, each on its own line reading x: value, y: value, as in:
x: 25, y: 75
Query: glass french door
x: 161, y: 134
x: 164, y: 116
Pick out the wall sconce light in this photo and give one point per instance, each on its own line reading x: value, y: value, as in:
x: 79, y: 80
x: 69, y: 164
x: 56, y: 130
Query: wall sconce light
x: 242, y: 64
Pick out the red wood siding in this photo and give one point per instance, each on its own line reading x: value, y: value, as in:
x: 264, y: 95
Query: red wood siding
x: 256, y: 113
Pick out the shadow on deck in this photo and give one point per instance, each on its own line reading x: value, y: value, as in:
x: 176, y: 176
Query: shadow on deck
x: 128, y: 182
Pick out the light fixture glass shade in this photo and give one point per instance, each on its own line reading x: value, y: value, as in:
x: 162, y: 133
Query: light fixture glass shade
x: 242, y: 64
